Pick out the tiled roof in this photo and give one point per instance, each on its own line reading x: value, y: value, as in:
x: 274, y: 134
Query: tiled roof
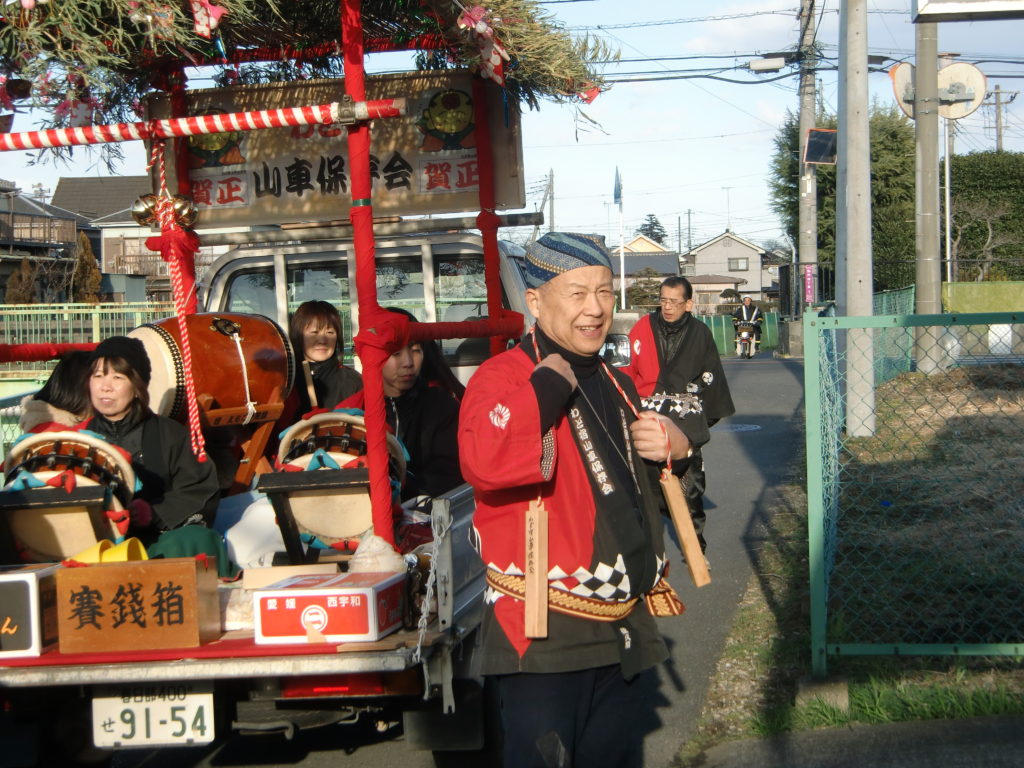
x: 95, y: 197
x: 663, y: 263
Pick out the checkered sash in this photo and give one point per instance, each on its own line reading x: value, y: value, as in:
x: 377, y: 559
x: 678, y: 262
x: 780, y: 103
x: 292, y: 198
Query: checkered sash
x: 661, y: 601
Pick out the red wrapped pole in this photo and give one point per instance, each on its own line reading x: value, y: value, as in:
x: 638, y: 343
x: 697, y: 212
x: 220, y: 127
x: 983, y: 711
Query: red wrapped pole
x: 487, y: 220
x: 375, y: 328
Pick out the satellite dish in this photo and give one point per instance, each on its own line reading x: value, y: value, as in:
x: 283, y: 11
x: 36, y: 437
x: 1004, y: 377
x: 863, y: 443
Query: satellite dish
x: 962, y: 89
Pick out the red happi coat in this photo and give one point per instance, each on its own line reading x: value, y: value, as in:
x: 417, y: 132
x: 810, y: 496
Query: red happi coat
x: 643, y: 367
x: 509, y: 462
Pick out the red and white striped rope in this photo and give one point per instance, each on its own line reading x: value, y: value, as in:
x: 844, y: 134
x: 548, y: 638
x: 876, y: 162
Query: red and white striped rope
x: 322, y: 114
x: 165, y: 214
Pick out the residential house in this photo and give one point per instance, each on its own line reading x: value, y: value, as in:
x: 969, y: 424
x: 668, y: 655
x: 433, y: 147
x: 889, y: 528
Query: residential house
x: 93, y: 198
x: 723, y: 263
x: 46, y: 235
x: 121, y: 241
x: 642, y: 253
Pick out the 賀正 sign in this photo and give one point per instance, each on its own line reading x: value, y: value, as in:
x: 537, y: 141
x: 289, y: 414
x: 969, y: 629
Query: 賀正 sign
x: 422, y: 163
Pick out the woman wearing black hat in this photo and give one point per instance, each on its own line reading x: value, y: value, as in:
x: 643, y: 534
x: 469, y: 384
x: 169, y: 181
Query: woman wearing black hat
x: 177, y: 489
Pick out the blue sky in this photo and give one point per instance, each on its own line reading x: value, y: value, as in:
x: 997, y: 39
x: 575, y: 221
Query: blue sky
x: 694, y: 152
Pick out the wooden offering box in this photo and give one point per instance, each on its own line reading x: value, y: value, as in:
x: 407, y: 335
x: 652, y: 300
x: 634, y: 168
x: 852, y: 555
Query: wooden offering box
x: 135, y: 605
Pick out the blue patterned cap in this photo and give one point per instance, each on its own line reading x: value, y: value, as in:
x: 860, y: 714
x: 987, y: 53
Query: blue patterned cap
x: 559, y: 252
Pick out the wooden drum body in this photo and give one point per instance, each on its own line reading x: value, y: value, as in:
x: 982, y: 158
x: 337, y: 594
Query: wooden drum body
x: 329, y: 441
x: 49, y: 533
x: 240, y: 365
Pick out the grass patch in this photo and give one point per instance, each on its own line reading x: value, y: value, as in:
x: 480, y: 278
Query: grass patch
x: 941, y: 561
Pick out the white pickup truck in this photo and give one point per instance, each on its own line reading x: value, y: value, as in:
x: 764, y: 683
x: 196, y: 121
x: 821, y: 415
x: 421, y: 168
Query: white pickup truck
x: 424, y: 676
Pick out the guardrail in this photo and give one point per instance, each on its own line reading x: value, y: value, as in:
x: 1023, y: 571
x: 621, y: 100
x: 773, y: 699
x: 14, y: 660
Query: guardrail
x: 69, y: 324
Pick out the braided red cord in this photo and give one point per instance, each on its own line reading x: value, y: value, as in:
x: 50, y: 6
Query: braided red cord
x: 165, y: 214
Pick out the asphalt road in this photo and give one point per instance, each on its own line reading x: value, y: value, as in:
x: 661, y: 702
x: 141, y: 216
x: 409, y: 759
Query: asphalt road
x: 748, y: 455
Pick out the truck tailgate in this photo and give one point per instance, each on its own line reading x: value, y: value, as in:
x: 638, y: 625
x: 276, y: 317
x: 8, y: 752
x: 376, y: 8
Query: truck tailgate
x: 235, y: 655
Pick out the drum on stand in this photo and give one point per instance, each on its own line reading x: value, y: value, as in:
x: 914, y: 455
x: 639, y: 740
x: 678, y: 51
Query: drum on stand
x: 328, y: 441
x: 242, y: 370
x: 238, y: 360
x: 52, y: 533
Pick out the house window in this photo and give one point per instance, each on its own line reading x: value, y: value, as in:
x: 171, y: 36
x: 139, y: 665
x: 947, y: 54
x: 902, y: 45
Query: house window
x: 739, y: 264
x: 688, y: 270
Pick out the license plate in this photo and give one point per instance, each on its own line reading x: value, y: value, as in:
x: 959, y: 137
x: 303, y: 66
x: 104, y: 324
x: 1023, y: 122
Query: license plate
x: 144, y: 715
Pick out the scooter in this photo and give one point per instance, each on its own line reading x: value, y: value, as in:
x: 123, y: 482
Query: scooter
x: 746, y: 339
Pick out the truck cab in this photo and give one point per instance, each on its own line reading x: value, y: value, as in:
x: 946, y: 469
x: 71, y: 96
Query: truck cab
x: 437, y: 277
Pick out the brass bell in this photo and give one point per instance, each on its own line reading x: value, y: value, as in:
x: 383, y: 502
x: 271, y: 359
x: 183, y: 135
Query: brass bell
x: 184, y: 211
x: 144, y: 210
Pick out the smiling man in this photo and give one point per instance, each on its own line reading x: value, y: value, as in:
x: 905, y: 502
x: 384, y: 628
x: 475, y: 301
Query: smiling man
x: 548, y: 421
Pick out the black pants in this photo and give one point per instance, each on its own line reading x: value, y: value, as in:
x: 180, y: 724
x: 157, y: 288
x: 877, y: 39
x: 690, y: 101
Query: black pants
x: 587, y: 719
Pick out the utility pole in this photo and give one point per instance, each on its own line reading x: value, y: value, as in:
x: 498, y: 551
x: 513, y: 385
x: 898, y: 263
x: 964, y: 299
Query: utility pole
x: 689, y: 229
x: 543, y: 202
x: 551, y: 200
x: 853, y: 220
x: 928, y: 269
x: 679, y: 234
x: 999, y: 120
x: 808, y: 205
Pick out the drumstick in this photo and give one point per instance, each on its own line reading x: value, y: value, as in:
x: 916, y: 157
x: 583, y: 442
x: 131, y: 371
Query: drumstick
x: 309, y: 385
x: 535, y: 601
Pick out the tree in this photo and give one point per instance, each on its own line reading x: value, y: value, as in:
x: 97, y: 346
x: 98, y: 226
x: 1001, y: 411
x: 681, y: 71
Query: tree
x: 987, y: 215
x: 892, y: 193
x: 54, y: 276
x: 21, y: 285
x: 646, y: 288
x: 87, y: 277
x: 652, y: 228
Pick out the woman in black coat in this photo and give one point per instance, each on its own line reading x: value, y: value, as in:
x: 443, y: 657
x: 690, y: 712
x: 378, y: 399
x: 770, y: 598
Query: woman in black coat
x: 421, y: 403
x: 177, y: 489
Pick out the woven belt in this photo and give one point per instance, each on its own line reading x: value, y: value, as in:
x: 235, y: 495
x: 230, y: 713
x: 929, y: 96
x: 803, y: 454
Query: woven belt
x: 661, y: 601
x: 561, y: 601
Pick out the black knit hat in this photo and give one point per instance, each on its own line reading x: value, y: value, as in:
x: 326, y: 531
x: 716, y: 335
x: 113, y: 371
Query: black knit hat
x: 132, y: 351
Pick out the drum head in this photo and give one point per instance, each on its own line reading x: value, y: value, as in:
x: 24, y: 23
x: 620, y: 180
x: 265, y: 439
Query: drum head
x: 45, y: 454
x: 47, y: 534
x: 340, y: 434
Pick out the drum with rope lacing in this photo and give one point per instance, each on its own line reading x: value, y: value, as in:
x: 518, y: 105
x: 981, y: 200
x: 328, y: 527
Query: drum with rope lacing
x: 333, y: 440
x: 238, y: 362
x: 67, y: 460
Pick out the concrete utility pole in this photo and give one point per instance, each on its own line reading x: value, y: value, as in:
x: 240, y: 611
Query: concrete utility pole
x: 928, y: 271
x: 807, y: 248
x: 999, y: 121
x: 551, y: 200
x: 853, y: 215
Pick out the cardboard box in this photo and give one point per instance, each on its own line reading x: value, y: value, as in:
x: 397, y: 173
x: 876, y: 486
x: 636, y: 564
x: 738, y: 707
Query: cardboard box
x: 258, y: 578
x: 329, y: 609
x: 138, y: 604
x: 28, y: 617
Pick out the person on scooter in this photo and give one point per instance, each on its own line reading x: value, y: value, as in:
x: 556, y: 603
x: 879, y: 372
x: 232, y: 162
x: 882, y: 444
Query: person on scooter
x: 748, y: 312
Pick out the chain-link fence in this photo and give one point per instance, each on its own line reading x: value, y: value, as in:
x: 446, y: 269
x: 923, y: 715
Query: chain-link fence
x: 915, y: 444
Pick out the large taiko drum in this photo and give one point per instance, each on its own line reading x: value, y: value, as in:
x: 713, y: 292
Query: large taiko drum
x: 47, y: 534
x: 237, y: 359
x: 326, y: 441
